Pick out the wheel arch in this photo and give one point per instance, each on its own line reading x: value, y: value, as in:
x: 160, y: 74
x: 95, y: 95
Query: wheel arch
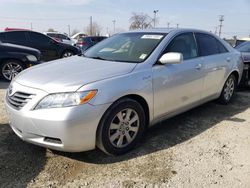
x: 236, y: 74
x: 141, y: 100
x: 66, y: 50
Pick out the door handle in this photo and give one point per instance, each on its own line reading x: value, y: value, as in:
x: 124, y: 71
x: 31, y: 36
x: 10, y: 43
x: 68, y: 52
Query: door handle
x: 228, y: 59
x: 198, y: 66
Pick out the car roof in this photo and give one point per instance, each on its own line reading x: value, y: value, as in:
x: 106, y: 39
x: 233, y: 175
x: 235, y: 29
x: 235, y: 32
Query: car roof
x: 167, y: 30
x: 18, y: 31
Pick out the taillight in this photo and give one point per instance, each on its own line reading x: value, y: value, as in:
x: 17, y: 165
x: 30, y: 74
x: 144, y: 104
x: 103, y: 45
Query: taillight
x: 81, y: 43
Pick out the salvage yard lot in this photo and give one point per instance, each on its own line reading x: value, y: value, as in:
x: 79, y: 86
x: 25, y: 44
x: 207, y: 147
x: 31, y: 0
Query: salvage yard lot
x: 205, y: 147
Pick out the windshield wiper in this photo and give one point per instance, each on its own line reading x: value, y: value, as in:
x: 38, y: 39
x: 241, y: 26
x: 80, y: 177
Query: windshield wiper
x: 98, y: 57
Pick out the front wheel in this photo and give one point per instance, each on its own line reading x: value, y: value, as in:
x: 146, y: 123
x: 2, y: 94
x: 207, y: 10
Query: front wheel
x: 10, y: 69
x: 121, y: 127
x: 228, y: 90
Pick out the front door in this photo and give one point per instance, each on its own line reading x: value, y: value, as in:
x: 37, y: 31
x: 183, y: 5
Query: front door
x: 177, y: 86
x: 45, y: 45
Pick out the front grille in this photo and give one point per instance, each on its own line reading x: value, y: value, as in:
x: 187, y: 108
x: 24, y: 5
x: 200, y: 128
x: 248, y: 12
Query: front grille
x: 19, y: 99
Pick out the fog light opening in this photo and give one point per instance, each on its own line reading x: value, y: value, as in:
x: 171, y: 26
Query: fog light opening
x: 52, y: 140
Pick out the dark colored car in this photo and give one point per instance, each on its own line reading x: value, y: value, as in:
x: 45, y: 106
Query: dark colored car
x: 86, y: 42
x: 15, y: 58
x: 49, y: 48
x: 239, y: 42
x: 244, y: 48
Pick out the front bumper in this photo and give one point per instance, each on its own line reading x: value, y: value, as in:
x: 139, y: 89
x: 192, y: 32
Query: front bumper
x: 71, y: 129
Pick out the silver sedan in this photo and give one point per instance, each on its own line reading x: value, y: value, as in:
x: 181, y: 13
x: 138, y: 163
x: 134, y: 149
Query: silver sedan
x: 109, y: 96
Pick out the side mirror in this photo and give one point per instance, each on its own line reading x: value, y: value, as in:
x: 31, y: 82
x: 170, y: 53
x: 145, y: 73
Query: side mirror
x: 171, y: 58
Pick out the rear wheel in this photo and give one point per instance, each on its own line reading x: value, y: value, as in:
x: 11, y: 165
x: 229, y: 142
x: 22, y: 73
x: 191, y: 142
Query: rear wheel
x: 228, y: 90
x: 10, y: 69
x: 121, y: 127
x: 67, y: 54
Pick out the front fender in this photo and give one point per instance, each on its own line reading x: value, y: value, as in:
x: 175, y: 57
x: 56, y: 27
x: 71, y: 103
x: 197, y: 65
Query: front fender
x: 112, y: 89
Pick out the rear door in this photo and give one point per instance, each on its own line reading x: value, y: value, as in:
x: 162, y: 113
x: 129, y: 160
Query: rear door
x: 216, y: 60
x: 47, y: 46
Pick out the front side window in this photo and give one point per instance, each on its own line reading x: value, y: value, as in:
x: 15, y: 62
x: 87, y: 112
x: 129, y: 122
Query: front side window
x: 38, y: 38
x: 207, y: 44
x: 184, y: 44
x: 221, y: 47
x: 126, y: 47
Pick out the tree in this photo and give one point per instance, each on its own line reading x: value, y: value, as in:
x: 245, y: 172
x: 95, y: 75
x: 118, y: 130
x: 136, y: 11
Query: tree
x: 96, y: 29
x: 51, y: 30
x: 140, y: 21
x: 74, y: 32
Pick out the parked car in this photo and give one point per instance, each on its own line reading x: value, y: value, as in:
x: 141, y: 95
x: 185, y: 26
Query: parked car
x: 78, y: 35
x: 15, y: 29
x: 244, y: 48
x: 85, y: 43
x: 15, y: 58
x: 240, y: 41
x: 120, y: 87
x: 60, y: 37
x: 49, y: 48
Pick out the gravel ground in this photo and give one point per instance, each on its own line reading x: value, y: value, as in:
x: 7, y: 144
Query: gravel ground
x: 208, y: 146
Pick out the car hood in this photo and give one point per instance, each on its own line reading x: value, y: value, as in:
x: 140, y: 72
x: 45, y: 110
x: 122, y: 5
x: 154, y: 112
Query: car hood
x: 71, y: 73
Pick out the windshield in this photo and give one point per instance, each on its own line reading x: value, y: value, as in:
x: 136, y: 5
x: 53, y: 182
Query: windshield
x: 127, y: 47
x: 244, y: 47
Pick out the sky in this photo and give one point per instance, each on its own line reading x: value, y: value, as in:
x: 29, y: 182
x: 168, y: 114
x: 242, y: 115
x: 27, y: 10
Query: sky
x: 60, y: 14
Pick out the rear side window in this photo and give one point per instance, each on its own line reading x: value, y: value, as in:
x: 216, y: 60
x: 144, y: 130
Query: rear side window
x: 2, y: 37
x: 15, y: 36
x: 208, y: 45
x: 52, y: 35
x: 184, y: 44
x: 63, y: 37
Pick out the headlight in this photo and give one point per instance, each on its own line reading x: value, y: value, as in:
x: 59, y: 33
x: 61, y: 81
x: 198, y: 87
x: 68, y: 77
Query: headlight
x: 31, y: 58
x: 60, y: 100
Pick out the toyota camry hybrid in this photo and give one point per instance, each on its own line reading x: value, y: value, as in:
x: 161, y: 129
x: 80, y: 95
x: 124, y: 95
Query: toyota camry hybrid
x: 109, y: 96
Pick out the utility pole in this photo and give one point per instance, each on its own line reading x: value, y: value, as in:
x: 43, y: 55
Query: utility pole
x: 114, y: 24
x: 215, y: 32
x: 168, y: 25
x: 69, y: 30
x: 155, y: 12
x: 31, y: 26
x: 221, y: 19
x: 90, y: 26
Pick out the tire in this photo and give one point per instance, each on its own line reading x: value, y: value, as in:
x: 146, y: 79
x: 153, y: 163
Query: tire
x: 10, y: 69
x: 67, y: 53
x: 121, y: 127
x: 228, y: 90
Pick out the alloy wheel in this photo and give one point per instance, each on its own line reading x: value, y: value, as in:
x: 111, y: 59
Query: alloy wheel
x: 67, y: 54
x: 11, y: 70
x: 229, y: 89
x: 124, y: 128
